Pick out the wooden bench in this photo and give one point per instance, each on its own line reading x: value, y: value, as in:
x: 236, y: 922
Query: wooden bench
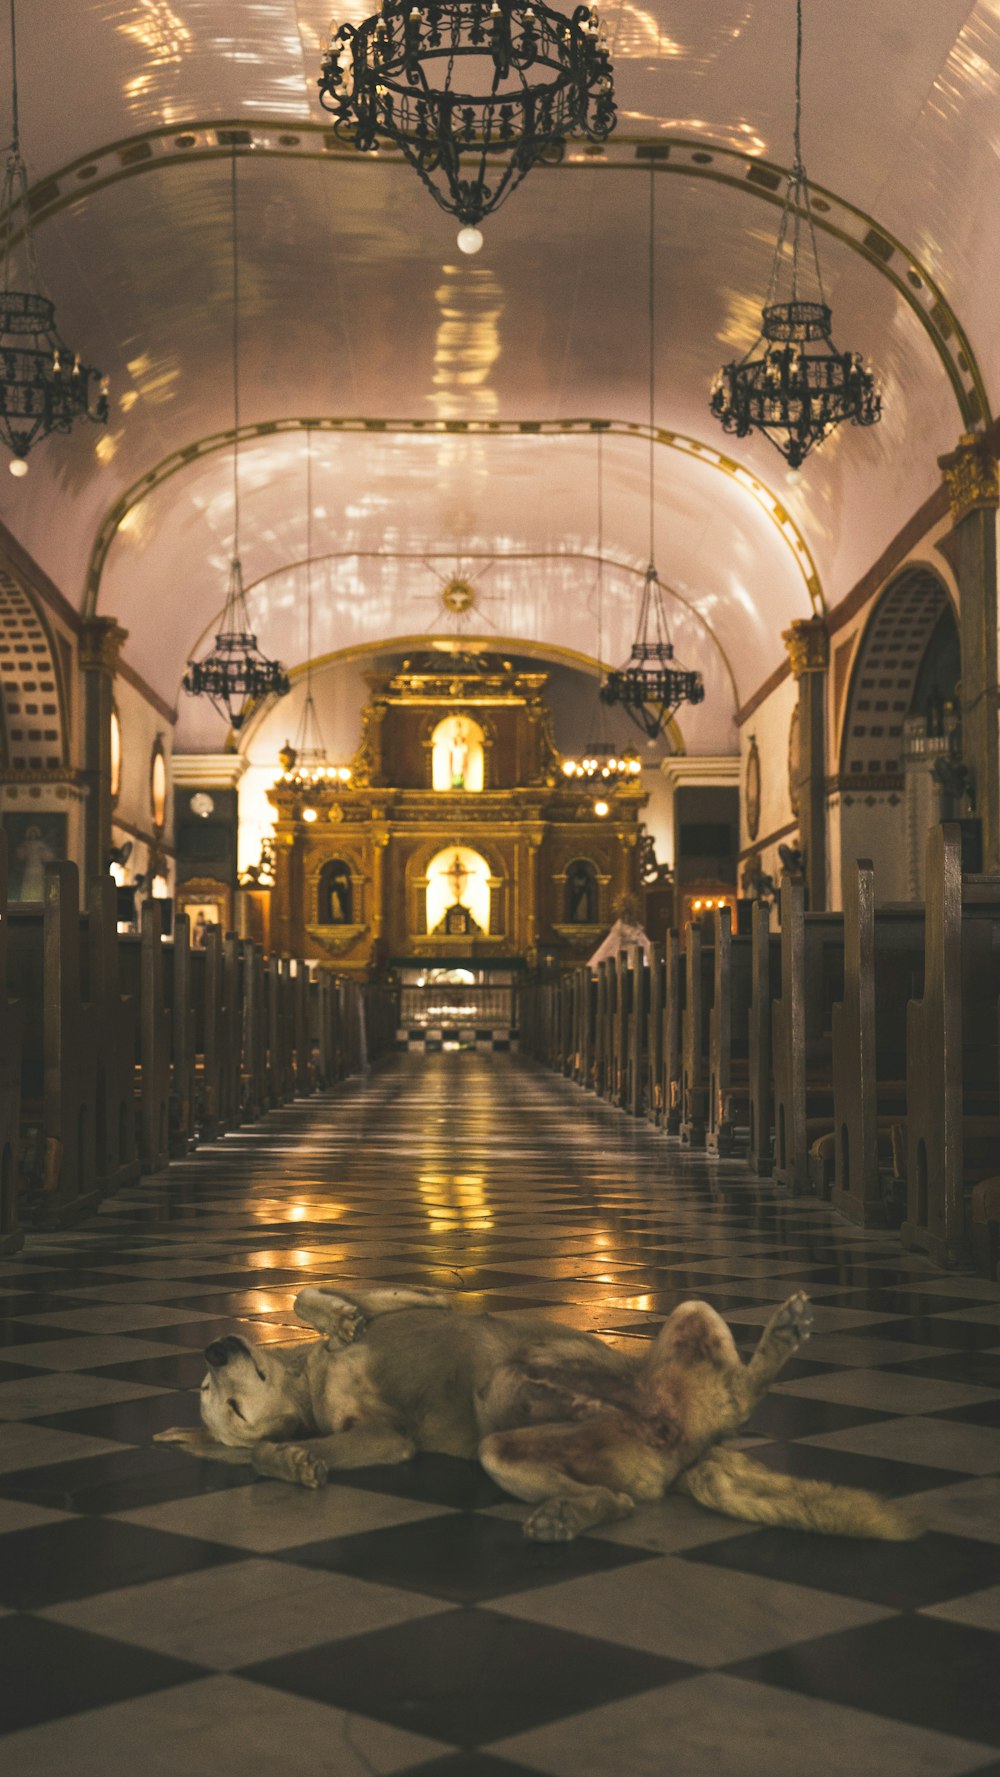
x: 812, y: 964
x: 637, y: 1044
x: 117, y: 1148
x: 11, y: 1233
x: 58, y: 1120
x: 699, y: 962
x: 673, y: 1012
x: 181, y: 1004
x: 952, y: 1138
x: 729, y: 1039
x: 883, y: 962
x: 765, y: 986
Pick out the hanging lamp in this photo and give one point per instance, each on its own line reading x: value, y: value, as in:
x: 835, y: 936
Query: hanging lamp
x: 650, y: 687
x: 474, y: 93
x: 44, y: 386
x: 236, y: 676
x: 793, y: 385
x: 601, y: 760
x: 305, y: 762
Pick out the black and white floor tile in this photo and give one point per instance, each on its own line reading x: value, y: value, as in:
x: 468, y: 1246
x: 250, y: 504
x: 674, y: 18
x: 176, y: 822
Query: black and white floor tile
x: 182, y: 1615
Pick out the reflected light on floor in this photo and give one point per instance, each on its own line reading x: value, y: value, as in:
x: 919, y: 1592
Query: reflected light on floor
x: 454, y: 1200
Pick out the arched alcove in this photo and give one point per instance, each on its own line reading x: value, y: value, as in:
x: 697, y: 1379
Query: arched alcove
x: 458, y: 877
x: 457, y: 754
x: 900, y: 716
x: 335, y: 893
x: 581, y: 893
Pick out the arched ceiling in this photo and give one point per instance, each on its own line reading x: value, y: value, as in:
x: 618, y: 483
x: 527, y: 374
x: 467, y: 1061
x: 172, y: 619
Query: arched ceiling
x: 357, y: 307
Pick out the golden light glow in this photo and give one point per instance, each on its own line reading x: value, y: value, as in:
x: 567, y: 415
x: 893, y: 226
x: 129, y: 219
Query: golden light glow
x: 602, y: 808
x: 454, y: 1200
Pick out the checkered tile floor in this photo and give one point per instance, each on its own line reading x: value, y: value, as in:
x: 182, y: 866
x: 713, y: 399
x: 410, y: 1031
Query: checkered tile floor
x: 178, y: 1616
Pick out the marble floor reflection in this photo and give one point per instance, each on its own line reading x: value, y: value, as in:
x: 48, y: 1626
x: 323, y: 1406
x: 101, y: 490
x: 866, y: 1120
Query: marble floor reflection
x: 187, y: 1618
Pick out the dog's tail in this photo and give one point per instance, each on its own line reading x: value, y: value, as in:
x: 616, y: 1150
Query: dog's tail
x: 730, y: 1482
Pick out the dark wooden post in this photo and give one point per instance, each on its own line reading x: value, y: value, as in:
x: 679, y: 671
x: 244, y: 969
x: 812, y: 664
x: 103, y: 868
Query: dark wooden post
x: 970, y: 474
x: 100, y: 644
x: 808, y: 644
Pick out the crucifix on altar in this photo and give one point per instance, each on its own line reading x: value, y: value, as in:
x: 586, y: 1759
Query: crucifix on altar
x: 458, y: 876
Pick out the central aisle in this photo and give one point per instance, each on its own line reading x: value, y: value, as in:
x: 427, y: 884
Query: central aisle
x: 193, y: 1620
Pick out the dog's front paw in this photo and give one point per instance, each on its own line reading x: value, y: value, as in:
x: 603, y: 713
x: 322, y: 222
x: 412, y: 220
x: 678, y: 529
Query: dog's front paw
x: 190, y: 1437
x: 795, y: 1317
x: 554, y: 1522
x: 306, y: 1469
x: 350, y: 1326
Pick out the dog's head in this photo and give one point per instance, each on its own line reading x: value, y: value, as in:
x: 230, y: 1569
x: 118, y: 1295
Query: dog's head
x: 248, y: 1394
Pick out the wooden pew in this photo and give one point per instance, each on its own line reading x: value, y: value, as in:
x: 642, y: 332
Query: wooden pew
x: 181, y: 1002
x: 11, y: 1233
x: 952, y: 1070
x: 588, y: 1030
x: 638, y: 1032
x: 765, y: 985
x: 154, y: 1045
x: 621, y: 1012
x: 883, y: 957
x: 801, y: 1032
x: 602, y: 1029
x: 654, y: 1035
x: 673, y: 1012
x: 59, y: 1053
x: 115, y: 1016
x: 254, y: 1085
x: 208, y: 1008
x: 728, y: 1038
x: 301, y: 1035
x: 698, y: 976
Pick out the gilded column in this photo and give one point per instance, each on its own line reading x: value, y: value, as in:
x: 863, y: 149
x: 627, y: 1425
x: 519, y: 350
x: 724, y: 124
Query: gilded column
x: 808, y: 644
x: 970, y: 474
x: 99, y: 646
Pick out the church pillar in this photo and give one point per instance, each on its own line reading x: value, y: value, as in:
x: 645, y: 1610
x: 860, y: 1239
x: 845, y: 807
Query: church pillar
x: 970, y: 474
x: 100, y: 644
x: 808, y: 644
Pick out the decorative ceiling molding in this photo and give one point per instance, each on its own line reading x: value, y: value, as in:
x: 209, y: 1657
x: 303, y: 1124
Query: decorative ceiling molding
x: 160, y: 149
x: 705, y: 454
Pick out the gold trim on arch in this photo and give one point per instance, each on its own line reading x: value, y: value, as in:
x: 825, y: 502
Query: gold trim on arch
x: 448, y: 644
x: 706, y: 454
x: 157, y: 149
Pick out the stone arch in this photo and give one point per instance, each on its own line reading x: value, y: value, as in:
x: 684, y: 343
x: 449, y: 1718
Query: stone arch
x: 885, y: 793
x: 885, y: 675
x: 31, y: 695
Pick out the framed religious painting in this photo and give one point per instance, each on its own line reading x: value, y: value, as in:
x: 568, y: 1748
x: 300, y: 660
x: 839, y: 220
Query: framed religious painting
x: 33, y: 840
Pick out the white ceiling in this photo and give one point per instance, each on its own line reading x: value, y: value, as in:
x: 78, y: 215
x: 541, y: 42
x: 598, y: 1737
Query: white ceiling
x: 357, y: 306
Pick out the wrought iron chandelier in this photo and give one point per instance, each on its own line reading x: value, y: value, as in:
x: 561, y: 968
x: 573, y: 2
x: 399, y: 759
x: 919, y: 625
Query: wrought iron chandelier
x: 473, y: 92
x: 650, y: 687
x: 237, y: 675
x: 601, y: 759
x: 793, y: 385
x: 44, y: 386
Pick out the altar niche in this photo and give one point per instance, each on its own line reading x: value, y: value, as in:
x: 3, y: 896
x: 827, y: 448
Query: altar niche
x: 457, y: 755
x: 458, y: 894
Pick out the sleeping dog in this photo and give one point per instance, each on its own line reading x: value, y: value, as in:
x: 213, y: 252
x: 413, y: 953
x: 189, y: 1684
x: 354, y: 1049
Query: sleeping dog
x: 580, y: 1430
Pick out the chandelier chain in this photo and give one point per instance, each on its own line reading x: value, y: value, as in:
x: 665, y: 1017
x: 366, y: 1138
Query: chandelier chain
x: 234, y: 210
x: 15, y: 146
x: 651, y: 319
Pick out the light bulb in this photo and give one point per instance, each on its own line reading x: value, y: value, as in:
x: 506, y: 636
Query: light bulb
x: 308, y: 814
x: 601, y: 809
x: 18, y: 466
x: 469, y: 240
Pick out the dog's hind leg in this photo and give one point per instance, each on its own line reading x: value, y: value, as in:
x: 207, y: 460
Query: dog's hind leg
x: 533, y: 1464
x: 731, y: 1483
x: 343, y: 1317
x: 788, y: 1326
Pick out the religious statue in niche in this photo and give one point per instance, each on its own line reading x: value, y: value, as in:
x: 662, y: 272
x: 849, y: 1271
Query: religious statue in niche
x: 581, y: 893
x: 457, y: 755
x: 336, y: 900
